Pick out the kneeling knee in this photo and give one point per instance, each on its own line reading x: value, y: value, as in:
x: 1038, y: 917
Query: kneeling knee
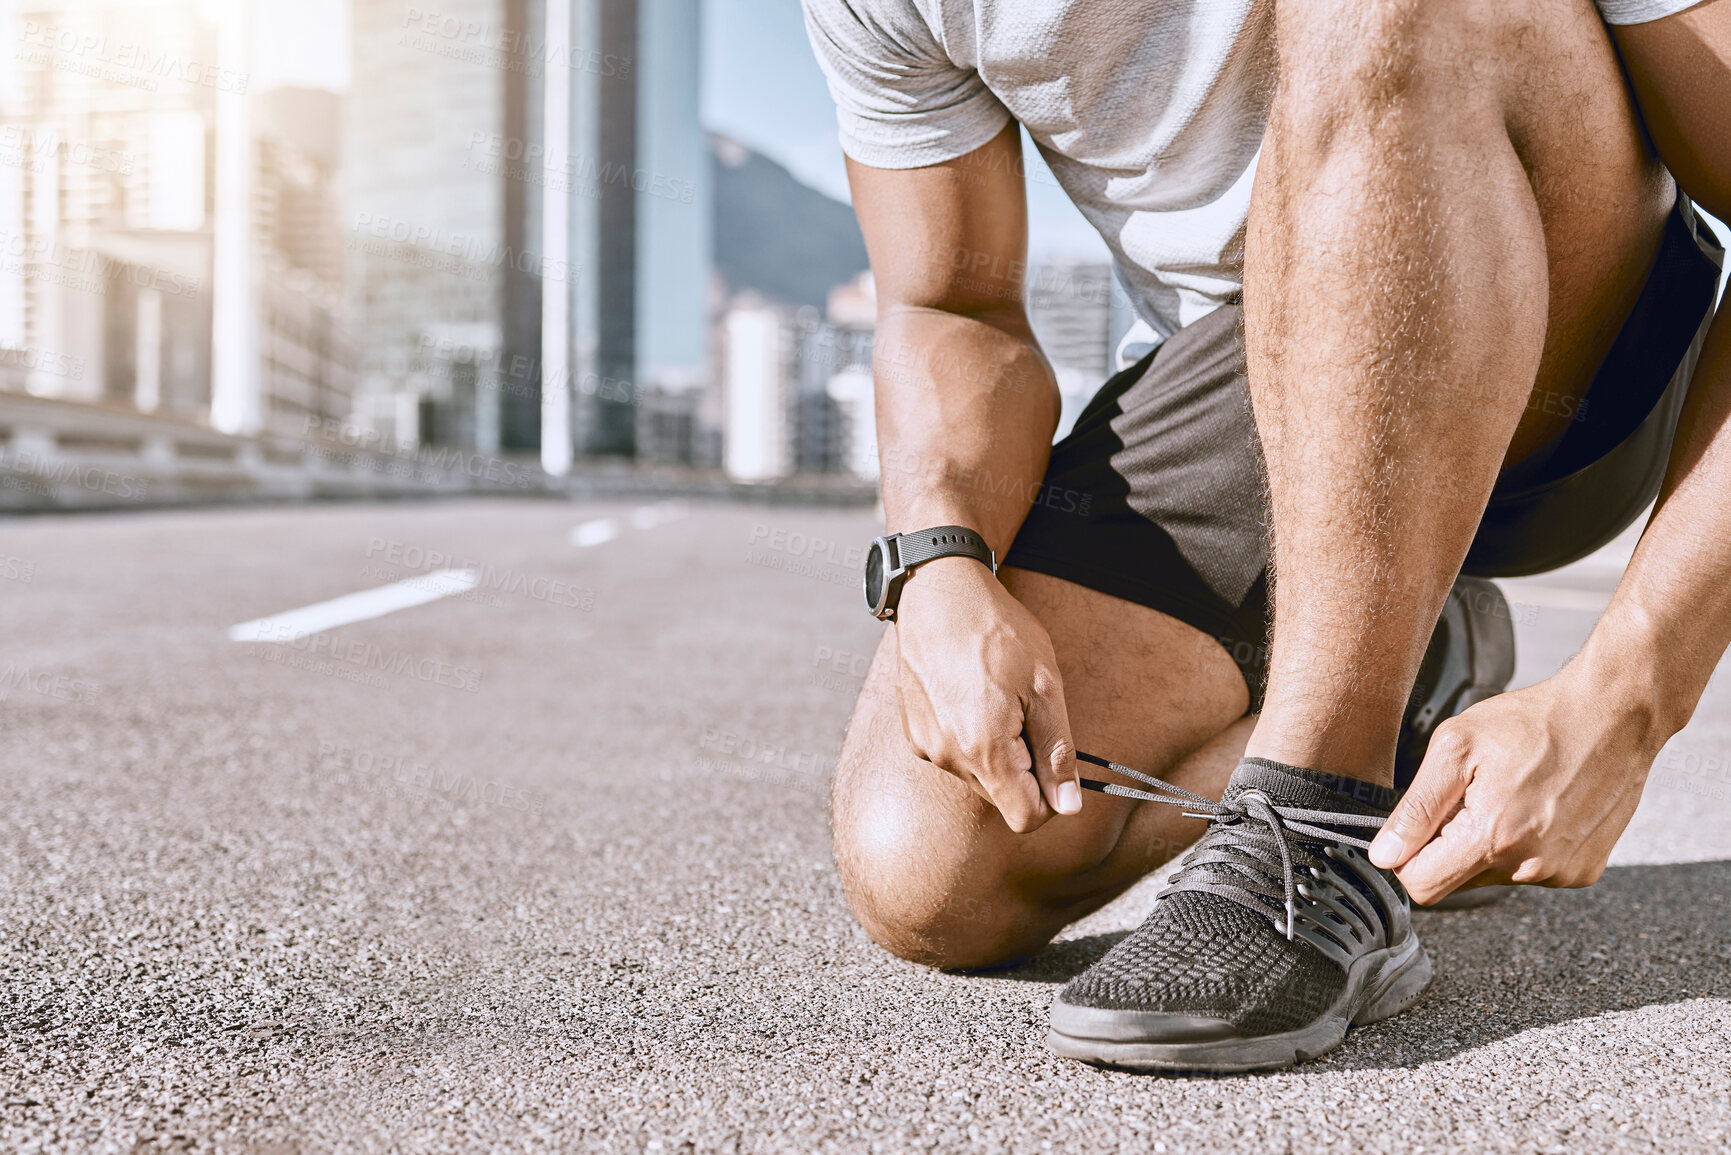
x: 951, y: 914
x: 951, y: 931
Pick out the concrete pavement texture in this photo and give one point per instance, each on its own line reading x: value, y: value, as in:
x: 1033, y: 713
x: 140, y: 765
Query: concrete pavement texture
x: 545, y: 866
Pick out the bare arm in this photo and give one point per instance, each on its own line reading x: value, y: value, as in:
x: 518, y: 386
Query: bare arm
x: 1548, y: 777
x: 966, y: 407
x: 1671, y: 617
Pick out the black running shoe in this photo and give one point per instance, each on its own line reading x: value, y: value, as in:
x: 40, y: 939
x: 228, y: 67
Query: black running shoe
x: 1273, y: 937
x: 1471, y: 657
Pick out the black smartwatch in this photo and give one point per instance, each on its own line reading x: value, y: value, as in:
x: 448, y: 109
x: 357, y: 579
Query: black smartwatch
x: 891, y: 559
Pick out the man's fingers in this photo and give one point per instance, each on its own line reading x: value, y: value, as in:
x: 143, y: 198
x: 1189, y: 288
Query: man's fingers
x: 1002, y: 768
x: 1054, y: 752
x: 1436, y: 791
x: 991, y: 747
x: 1442, y: 865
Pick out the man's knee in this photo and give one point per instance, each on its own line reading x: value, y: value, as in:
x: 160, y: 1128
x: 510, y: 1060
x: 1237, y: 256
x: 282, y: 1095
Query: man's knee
x: 892, y: 848
x: 927, y: 865
x: 956, y: 930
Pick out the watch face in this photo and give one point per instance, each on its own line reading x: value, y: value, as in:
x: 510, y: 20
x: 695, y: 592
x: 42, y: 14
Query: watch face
x: 874, y: 576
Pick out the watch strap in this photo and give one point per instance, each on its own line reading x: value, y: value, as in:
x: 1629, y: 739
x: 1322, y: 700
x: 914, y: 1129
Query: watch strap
x: 925, y: 545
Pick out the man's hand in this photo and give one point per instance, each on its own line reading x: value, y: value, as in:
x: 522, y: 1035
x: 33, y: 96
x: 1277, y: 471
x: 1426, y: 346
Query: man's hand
x: 1533, y: 786
x: 976, y: 669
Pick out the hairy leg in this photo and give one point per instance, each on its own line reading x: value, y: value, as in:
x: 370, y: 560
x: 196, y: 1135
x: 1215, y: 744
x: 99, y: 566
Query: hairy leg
x: 1453, y: 213
x: 932, y: 871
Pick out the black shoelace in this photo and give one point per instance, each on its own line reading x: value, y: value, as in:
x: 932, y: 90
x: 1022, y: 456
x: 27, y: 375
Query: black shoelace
x: 1248, y: 844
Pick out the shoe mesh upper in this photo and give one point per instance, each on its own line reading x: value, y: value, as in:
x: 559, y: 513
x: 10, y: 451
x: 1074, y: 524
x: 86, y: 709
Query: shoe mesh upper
x: 1202, y: 954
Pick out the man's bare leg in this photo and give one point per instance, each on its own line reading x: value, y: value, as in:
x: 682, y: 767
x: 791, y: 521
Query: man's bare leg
x: 931, y: 869
x: 1453, y: 213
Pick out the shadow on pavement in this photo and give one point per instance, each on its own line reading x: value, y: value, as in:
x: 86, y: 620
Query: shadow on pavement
x: 1062, y: 961
x: 1643, y: 936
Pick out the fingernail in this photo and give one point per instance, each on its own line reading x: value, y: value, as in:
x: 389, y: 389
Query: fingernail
x: 1069, y: 798
x: 1386, y: 849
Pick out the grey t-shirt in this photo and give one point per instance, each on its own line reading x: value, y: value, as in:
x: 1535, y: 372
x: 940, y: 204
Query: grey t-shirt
x: 1149, y: 113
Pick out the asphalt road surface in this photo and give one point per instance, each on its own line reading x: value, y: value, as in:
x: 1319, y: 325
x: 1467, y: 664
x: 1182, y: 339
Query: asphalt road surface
x: 543, y: 865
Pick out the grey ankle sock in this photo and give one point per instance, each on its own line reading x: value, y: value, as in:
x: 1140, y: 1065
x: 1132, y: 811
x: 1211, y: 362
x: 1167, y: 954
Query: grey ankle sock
x: 1310, y: 789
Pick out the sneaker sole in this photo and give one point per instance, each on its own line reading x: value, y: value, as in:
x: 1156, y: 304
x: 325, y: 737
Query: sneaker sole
x: 1381, y: 984
x: 1493, y: 634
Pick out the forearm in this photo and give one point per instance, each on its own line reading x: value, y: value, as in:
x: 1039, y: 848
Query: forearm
x: 1663, y: 634
x: 966, y: 408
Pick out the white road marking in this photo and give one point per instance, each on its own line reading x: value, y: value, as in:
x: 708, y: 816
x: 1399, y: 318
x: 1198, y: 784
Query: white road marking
x: 308, y: 620
x: 595, y: 532
x: 605, y: 529
x: 650, y: 516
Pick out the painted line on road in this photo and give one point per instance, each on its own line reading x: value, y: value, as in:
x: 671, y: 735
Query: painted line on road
x: 293, y: 625
x: 650, y: 516
x: 597, y: 532
x: 604, y: 529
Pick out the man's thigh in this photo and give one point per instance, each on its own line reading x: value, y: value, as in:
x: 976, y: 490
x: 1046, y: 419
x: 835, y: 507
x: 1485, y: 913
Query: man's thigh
x: 1449, y: 91
x: 930, y: 868
x: 1603, y: 199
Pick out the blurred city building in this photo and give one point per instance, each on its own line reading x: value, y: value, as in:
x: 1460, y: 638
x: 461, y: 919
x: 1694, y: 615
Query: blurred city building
x: 104, y: 286
x: 796, y: 310
x: 529, y: 216
x: 675, y: 218
x: 761, y: 365
x: 1070, y: 306
x: 425, y: 226
x: 511, y: 233
x: 109, y: 219
x: 306, y: 355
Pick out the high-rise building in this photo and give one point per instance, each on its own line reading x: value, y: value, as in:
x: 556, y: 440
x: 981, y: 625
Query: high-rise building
x: 759, y: 356
x: 104, y: 203
x: 306, y: 355
x: 528, y: 202
x: 166, y: 245
x: 675, y: 220
x: 429, y: 166
x: 636, y: 196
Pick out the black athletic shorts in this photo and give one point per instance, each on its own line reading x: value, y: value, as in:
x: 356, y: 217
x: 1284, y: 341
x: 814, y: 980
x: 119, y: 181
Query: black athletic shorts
x: 1175, y: 512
